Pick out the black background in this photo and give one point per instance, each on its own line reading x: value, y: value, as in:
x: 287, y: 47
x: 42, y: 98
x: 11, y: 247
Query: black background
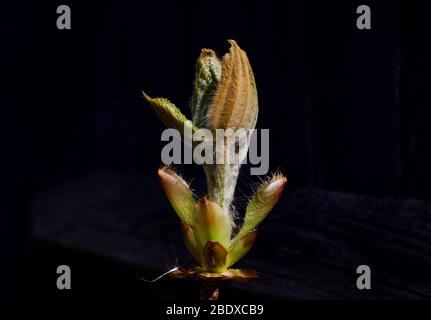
x: 347, y: 109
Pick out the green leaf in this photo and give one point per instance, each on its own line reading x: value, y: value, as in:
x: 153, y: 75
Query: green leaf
x: 178, y: 193
x: 262, y: 202
x: 169, y: 114
x: 239, y: 247
x: 211, y: 223
x: 190, y: 241
x: 208, y: 74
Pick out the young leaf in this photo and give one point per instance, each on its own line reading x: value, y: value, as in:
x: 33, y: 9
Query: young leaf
x: 262, y: 202
x: 169, y: 114
x: 235, y: 101
x: 239, y: 247
x: 208, y: 73
x: 190, y: 241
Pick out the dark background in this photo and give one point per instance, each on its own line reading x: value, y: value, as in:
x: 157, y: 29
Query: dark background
x: 348, y: 109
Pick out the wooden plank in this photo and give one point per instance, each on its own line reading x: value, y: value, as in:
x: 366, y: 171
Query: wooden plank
x: 309, y: 247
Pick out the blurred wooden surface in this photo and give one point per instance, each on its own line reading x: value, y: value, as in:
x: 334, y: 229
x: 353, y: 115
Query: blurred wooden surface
x: 308, y: 248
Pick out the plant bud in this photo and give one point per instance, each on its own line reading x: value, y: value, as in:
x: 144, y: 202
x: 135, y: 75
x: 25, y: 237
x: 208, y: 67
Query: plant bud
x: 214, y: 257
x: 211, y: 223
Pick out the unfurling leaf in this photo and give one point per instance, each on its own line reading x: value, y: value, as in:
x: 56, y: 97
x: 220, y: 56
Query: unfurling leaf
x: 234, y: 106
x: 208, y: 73
x: 169, y: 114
x: 262, y: 202
x: 235, y: 101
